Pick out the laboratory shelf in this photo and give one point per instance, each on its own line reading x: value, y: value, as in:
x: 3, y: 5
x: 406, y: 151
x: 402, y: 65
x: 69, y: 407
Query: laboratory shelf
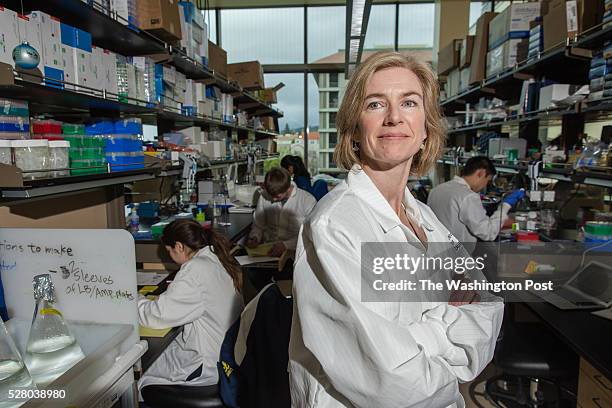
x: 72, y: 184
x: 592, y: 176
x: 106, y: 31
x: 556, y: 63
x: 200, y: 120
x: 594, y: 38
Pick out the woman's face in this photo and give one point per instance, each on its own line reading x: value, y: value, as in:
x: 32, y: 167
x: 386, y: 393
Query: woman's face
x: 179, y: 253
x: 392, y: 122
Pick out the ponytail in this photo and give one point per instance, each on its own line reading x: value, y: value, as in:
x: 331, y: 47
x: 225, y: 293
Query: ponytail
x: 221, y: 247
x: 191, y: 234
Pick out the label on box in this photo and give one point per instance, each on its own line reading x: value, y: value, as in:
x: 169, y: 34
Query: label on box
x: 549, y: 196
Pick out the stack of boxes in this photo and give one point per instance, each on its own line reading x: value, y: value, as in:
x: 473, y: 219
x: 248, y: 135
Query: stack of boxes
x: 126, y: 11
x: 76, y: 49
x: 607, y: 54
x: 506, y: 31
x: 104, y: 70
x: 601, y: 68
x: 46, y: 129
x: 123, y: 147
x: 536, y: 39
x: 86, y: 151
x: 50, y: 50
x: 194, y: 32
x: 14, y: 119
x: 190, y: 106
x: 448, y: 64
x: 145, y: 80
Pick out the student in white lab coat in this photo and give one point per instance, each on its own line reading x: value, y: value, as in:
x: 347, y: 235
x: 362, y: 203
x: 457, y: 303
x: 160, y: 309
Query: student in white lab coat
x: 457, y: 203
x: 204, y: 298
x: 346, y: 352
x: 280, y: 212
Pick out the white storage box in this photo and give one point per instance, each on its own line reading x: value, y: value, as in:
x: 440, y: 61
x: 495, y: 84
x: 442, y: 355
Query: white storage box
x: 501, y: 145
x: 551, y: 93
x: 87, y: 381
x: 503, y: 57
x: 513, y: 22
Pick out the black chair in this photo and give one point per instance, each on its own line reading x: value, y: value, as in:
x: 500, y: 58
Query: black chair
x: 181, y: 396
x: 535, y: 363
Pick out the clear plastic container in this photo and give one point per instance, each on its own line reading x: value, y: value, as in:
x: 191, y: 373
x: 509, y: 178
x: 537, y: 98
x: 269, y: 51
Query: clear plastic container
x: 5, y: 152
x: 59, y: 158
x: 31, y: 156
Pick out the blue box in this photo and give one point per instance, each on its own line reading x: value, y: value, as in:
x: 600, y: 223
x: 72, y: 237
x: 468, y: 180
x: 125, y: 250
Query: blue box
x: 83, y: 40
x: 68, y: 35
x: 52, y: 74
x: 128, y: 127
x: 188, y: 11
x: 102, y: 127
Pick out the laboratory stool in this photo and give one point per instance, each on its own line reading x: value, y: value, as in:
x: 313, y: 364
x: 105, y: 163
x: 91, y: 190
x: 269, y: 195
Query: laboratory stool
x: 534, y: 362
x: 181, y: 396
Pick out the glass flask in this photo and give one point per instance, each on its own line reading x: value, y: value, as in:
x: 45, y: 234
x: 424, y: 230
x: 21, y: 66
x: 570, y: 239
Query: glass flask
x: 51, y: 349
x: 14, y: 375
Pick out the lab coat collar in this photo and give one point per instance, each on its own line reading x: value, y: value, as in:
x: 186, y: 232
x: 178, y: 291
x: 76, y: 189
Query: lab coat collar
x: 364, y: 187
x: 461, y: 180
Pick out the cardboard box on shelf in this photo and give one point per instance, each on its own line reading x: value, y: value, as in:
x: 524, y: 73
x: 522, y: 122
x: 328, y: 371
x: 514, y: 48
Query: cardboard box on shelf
x: 559, y: 22
x: 448, y: 57
x: 465, y: 54
x: 503, y: 57
x: 478, y: 64
x: 512, y: 23
x: 206, y: 107
x: 268, y: 95
x: 453, y: 81
x: 464, y: 79
x: 50, y: 33
x: 268, y: 123
x: 68, y: 65
x: 161, y: 18
x: 9, y: 35
x: 248, y: 74
x: 555, y: 92
x: 217, y: 59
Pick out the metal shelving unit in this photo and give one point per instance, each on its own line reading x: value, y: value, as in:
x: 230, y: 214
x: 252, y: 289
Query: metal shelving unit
x: 588, y: 176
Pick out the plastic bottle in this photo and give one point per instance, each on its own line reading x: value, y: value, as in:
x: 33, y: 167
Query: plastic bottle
x: 200, y: 217
x: 134, y: 221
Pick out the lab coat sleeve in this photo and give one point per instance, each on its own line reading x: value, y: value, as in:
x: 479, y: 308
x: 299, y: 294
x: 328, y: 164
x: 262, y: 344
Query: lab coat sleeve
x: 473, y: 215
x: 373, y: 361
x: 181, y: 303
x: 305, y: 210
x: 259, y: 221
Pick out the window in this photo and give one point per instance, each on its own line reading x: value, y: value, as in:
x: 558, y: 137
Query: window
x: 333, y: 80
x: 322, y: 99
x: 332, y: 163
x: 381, y: 28
x: 290, y: 99
x: 333, y: 99
x: 332, y: 139
x: 253, y: 34
x: 332, y: 120
x: 326, y: 34
x: 210, y: 18
x: 416, y: 25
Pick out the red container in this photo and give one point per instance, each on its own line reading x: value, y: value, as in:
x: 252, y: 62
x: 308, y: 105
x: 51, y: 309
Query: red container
x: 527, y: 236
x: 46, y: 126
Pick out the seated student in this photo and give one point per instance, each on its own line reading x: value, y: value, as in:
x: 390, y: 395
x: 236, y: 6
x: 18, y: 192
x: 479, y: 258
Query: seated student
x: 280, y: 212
x: 204, y: 297
x: 457, y: 204
x: 301, y: 177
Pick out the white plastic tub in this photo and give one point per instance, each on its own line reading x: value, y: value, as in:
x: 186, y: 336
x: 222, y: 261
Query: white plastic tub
x: 89, y: 379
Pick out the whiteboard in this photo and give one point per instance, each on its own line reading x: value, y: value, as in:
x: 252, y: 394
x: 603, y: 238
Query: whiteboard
x: 93, y: 270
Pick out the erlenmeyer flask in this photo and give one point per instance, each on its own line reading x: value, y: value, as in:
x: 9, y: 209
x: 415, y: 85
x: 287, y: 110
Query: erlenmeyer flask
x: 51, y: 348
x: 14, y: 375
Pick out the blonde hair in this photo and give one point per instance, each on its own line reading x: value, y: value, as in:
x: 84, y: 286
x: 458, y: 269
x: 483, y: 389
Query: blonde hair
x: 347, y: 120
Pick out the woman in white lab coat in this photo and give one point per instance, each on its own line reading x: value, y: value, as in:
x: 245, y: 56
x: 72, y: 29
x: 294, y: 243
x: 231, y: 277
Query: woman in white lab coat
x: 347, y: 352
x: 204, y: 298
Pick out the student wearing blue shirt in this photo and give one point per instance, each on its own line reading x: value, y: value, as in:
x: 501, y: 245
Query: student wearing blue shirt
x: 301, y: 177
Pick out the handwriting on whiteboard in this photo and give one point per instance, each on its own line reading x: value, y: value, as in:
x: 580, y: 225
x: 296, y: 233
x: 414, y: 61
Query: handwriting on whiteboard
x: 36, y: 249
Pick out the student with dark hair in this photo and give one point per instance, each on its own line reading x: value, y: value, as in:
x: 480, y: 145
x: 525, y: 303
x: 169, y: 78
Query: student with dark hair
x: 204, y: 297
x: 301, y: 177
x: 280, y: 212
x: 457, y: 203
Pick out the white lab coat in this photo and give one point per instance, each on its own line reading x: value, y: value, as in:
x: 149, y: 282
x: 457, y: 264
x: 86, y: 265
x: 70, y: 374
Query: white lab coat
x: 203, y: 299
x: 345, y: 352
x: 461, y: 211
x: 273, y: 222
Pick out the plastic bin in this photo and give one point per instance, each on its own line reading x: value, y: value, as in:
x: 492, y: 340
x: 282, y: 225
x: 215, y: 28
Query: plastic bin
x: 101, y: 344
